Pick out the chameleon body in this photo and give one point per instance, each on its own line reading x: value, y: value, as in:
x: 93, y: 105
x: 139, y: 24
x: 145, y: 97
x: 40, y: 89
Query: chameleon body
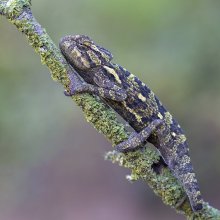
x: 137, y: 104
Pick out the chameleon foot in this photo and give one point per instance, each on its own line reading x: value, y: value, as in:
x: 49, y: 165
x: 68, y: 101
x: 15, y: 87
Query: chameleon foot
x: 136, y: 140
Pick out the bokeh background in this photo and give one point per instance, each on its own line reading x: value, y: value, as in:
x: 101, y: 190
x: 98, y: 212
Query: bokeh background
x: 51, y: 159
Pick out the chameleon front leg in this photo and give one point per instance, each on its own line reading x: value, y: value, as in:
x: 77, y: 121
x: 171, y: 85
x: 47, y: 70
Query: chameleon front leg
x: 113, y: 93
x: 136, y: 140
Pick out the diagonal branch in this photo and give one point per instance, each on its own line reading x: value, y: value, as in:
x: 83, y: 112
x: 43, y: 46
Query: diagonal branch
x: 146, y: 164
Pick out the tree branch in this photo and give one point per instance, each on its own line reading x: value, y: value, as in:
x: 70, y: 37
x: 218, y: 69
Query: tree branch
x: 144, y: 164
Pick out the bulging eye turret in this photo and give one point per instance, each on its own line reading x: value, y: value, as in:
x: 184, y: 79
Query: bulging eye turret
x: 82, y: 53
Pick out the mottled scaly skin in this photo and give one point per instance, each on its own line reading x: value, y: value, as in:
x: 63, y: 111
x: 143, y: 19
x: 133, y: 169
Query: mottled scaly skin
x: 137, y: 104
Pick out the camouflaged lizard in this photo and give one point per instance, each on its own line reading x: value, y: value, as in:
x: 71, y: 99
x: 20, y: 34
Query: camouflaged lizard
x: 137, y: 104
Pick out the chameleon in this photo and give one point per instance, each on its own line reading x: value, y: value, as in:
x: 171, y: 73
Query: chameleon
x: 134, y: 101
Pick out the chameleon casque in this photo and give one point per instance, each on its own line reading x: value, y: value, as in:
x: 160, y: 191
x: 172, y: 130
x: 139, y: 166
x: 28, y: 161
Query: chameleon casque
x: 134, y: 102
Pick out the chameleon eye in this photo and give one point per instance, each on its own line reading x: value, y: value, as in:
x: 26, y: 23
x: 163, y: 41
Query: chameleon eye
x: 82, y: 46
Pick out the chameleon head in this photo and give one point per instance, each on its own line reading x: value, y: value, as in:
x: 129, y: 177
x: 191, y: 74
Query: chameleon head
x: 82, y: 53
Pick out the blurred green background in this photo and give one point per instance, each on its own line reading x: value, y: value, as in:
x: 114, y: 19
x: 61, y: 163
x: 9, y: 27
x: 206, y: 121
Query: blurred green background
x: 51, y: 160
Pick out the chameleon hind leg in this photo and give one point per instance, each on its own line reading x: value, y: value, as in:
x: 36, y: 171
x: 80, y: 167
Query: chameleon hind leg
x: 114, y: 93
x: 136, y: 140
x: 178, y: 163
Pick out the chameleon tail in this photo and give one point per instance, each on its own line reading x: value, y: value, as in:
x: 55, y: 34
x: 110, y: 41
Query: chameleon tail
x: 176, y: 156
x: 183, y: 170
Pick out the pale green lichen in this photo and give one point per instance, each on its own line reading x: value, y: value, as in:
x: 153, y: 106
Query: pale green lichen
x: 13, y: 8
x: 102, y: 118
x: 44, y: 46
x: 140, y: 162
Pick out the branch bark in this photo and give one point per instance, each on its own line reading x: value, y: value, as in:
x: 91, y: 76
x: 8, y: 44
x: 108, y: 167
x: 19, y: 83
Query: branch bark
x: 144, y: 164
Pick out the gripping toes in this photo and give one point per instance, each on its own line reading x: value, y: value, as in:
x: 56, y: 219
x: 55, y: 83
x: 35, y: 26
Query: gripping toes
x: 76, y: 88
x: 136, y: 140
